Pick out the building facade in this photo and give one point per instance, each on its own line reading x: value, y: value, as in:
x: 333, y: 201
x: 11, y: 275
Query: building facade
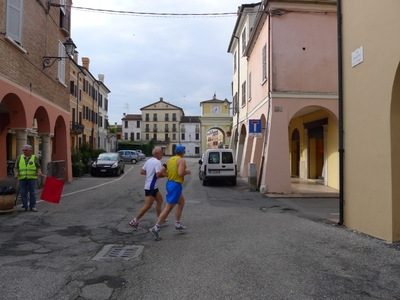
x: 190, y: 135
x: 131, y: 127
x: 291, y: 89
x: 160, y: 122
x: 34, y: 86
x: 371, y: 117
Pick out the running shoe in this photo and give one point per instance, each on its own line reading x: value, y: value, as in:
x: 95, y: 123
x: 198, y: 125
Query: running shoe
x: 134, y: 225
x: 155, y: 233
x: 179, y: 228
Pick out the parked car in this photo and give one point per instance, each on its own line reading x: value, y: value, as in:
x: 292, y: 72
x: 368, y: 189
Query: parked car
x: 109, y: 163
x: 129, y: 156
x: 141, y: 154
x: 218, y: 164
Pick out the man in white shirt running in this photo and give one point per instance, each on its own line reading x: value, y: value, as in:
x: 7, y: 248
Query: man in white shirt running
x: 152, y: 169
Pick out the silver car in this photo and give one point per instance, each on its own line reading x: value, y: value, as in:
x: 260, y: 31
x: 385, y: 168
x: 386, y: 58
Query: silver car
x: 129, y: 156
x: 141, y: 154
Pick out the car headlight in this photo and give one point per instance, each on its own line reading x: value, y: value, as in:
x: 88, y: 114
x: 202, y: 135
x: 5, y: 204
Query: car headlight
x: 114, y: 165
x: 94, y: 165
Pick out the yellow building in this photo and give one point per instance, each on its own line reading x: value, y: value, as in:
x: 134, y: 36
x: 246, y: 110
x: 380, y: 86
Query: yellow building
x: 160, y: 123
x: 371, y: 117
x: 216, y: 123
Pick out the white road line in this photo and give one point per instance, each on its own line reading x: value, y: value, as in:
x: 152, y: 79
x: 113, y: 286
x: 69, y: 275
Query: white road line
x: 93, y: 187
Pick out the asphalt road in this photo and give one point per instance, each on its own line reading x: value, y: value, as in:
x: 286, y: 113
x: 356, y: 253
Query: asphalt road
x: 238, y: 245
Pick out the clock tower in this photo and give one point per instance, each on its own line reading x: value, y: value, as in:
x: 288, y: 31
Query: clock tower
x: 215, y: 116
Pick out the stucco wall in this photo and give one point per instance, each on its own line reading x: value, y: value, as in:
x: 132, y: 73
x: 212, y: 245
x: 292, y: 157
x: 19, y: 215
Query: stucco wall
x: 367, y: 96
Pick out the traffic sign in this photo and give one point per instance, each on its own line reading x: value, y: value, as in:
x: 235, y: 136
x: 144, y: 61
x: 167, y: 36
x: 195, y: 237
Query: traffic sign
x: 255, y: 128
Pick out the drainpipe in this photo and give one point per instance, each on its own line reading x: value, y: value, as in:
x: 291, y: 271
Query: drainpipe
x: 340, y: 112
x: 237, y: 98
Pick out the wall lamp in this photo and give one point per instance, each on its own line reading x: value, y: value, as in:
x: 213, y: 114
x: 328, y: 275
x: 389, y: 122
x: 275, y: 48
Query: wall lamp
x: 70, y: 47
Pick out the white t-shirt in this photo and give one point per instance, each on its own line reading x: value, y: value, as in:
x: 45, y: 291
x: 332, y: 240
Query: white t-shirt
x: 152, y: 167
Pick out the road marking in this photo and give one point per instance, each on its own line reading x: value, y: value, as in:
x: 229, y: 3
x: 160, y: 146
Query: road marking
x: 93, y: 187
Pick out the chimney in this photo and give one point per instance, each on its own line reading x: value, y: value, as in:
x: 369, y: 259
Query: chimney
x: 76, y: 56
x: 85, y: 62
x: 161, y: 98
x: 101, y: 77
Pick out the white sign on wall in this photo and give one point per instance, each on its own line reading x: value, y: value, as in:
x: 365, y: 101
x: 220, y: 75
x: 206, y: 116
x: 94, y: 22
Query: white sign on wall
x: 357, y: 56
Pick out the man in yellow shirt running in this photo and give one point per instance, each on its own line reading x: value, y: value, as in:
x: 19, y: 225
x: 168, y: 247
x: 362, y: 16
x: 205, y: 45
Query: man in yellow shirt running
x: 176, y: 169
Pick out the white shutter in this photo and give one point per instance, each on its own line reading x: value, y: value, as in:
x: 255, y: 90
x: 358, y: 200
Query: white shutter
x: 14, y: 20
x: 61, y: 63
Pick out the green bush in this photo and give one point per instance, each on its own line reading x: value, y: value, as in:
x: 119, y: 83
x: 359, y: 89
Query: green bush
x: 78, y: 169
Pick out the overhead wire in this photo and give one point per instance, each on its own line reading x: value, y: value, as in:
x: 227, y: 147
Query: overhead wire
x: 157, y: 15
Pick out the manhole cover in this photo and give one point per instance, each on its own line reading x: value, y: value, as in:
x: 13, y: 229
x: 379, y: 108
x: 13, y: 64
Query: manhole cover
x: 119, y: 251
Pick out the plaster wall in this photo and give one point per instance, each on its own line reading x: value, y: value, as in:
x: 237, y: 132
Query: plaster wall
x: 367, y: 100
x: 304, y: 52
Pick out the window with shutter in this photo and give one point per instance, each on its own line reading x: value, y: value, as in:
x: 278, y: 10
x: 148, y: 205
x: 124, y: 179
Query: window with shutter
x: 14, y: 20
x: 61, y: 63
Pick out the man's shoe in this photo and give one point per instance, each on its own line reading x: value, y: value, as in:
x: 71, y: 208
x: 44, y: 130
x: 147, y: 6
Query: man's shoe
x: 134, y: 225
x: 179, y: 228
x: 23, y: 209
x: 34, y: 209
x: 155, y: 233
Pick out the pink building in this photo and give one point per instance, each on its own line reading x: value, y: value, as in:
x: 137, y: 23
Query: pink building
x: 290, y: 84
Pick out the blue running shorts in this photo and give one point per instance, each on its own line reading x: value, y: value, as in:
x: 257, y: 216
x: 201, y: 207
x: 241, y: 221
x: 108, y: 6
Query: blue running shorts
x: 174, y: 191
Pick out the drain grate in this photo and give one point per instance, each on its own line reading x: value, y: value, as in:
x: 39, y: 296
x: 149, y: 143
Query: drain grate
x: 119, y: 251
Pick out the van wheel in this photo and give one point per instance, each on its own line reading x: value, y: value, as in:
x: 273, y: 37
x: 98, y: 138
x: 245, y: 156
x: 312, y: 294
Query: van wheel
x: 204, y: 182
x: 233, y: 182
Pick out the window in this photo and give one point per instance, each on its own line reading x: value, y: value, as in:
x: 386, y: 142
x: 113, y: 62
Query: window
x: 174, y: 117
x: 126, y: 136
x: 147, y: 117
x: 126, y: 124
x: 137, y: 124
x: 166, y: 117
x: 155, y: 136
x: 174, y: 127
x: 154, y: 117
x: 147, y: 137
x: 197, y: 136
x: 234, y: 62
x: 166, y: 128
x: 213, y: 158
x: 138, y: 136
x: 249, y: 91
x: 264, y: 62
x: 183, y: 128
x: 64, y: 16
x: 174, y: 136
x: 244, y: 40
x: 147, y: 129
x: 61, y: 63
x: 182, y: 136
x: 14, y: 20
x: 244, y: 93
x: 197, y: 150
x: 155, y: 127
x: 197, y: 128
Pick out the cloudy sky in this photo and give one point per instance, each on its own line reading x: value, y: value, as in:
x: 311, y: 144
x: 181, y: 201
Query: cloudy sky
x: 182, y: 59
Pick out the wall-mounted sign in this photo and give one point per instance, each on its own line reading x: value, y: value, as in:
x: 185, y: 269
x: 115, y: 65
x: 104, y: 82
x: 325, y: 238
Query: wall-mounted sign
x: 357, y: 56
x: 255, y: 128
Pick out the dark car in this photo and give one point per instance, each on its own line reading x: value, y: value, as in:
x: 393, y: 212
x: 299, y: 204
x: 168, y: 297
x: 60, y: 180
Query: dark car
x: 108, y: 164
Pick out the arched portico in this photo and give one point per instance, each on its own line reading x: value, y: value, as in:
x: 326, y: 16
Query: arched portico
x: 25, y: 118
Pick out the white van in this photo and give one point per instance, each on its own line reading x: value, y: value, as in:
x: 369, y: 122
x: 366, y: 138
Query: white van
x: 218, y: 164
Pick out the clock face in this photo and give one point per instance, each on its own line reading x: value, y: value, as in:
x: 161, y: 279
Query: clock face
x: 216, y: 109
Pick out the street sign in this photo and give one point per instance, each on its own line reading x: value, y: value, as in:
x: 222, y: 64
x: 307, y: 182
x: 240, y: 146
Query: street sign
x: 255, y: 128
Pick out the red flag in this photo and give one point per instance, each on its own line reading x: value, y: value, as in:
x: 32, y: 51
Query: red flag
x: 52, y: 190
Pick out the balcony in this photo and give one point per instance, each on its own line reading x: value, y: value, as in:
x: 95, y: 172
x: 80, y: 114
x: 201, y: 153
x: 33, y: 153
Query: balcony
x: 165, y: 141
x: 154, y: 129
x: 173, y: 129
x: 147, y: 130
x: 166, y: 130
x: 76, y: 128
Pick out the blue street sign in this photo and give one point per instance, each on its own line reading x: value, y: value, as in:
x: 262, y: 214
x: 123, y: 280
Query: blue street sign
x: 255, y: 128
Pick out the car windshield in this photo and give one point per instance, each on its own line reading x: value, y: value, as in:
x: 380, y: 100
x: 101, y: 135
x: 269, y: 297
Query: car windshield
x: 108, y: 156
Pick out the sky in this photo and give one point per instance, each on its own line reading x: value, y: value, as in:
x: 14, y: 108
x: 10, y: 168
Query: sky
x: 182, y: 59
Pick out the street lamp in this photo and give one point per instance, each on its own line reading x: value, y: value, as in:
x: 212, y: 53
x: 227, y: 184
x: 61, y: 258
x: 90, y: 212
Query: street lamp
x: 70, y: 47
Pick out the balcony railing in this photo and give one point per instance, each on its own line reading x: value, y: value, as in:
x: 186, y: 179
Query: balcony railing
x: 77, y: 128
x: 173, y: 129
x: 147, y: 130
x: 166, y: 130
